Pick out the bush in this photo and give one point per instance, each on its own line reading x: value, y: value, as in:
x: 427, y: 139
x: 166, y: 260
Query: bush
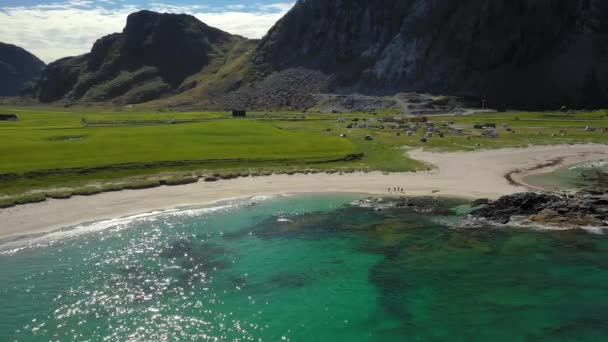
x: 33, y: 198
x: 59, y: 195
x: 7, y: 203
x: 144, y: 184
x: 90, y: 191
x: 112, y: 187
x: 181, y: 181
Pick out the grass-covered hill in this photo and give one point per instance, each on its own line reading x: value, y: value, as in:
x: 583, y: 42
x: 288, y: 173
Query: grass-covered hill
x: 156, y: 56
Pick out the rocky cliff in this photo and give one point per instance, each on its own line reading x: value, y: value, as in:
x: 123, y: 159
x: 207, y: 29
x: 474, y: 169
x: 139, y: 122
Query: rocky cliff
x: 18, y: 69
x: 513, y: 53
x: 154, y: 56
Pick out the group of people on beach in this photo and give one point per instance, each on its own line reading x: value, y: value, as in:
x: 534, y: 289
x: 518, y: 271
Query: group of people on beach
x: 396, y: 189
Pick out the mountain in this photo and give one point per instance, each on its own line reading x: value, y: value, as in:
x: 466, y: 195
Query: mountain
x: 155, y: 56
x: 18, y: 69
x: 512, y: 53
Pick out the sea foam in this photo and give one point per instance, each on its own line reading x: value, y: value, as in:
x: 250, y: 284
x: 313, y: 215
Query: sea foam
x: 14, y: 245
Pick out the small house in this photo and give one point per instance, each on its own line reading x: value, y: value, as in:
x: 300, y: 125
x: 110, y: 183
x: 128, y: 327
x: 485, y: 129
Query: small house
x: 239, y: 114
x: 8, y: 117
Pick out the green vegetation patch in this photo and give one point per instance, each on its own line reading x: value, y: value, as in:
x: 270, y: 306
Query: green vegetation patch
x: 75, y: 147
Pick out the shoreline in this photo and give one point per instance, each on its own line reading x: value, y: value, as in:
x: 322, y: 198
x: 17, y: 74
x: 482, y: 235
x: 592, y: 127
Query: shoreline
x: 478, y: 174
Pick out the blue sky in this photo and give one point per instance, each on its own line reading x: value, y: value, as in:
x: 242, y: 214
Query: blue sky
x: 52, y: 29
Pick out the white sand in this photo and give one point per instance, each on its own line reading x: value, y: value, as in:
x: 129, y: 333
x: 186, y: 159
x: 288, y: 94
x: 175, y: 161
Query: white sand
x: 460, y: 174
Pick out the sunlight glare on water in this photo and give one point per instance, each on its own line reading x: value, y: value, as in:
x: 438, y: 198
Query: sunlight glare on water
x: 301, y: 268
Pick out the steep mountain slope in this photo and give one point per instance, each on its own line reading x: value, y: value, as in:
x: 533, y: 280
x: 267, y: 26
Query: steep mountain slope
x: 515, y: 53
x: 18, y: 69
x: 154, y: 56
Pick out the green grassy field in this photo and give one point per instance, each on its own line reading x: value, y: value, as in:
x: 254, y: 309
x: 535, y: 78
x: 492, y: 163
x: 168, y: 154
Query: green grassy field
x: 86, y: 148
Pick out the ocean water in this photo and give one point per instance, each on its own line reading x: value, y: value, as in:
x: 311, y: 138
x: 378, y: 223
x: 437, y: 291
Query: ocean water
x: 304, y: 268
x: 570, y: 178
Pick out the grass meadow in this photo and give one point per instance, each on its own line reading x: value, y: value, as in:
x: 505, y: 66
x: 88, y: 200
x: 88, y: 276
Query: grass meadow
x: 50, y: 152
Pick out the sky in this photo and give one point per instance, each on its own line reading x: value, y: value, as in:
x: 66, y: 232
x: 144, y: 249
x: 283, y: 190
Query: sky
x: 53, y: 29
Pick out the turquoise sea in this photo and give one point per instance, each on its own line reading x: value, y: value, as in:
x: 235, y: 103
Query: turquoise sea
x: 572, y: 178
x: 304, y: 268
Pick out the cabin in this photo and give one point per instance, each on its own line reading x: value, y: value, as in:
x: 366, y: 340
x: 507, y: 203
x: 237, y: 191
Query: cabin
x: 239, y: 114
x: 8, y: 117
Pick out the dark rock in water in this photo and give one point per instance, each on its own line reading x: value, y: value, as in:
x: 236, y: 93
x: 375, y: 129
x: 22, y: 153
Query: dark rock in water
x: 595, y: 181
x: 19, y: 69
x: 481, y: 201
x: 430, y: 205
x: 425, y: 205
x: 513, y: 54
x: 583, y: 209
x: 522, y: 204
x: 292, y: 280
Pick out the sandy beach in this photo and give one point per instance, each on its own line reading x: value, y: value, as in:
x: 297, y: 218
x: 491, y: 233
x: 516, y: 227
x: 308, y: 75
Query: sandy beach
x: 479, y: 174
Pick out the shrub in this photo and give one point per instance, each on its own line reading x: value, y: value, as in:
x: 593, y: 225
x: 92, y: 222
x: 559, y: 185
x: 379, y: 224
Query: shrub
x: 181, y: 180
x: 59, y: 194
x: 90, y: 191
x: 143, y: 184
x: 33, y: 198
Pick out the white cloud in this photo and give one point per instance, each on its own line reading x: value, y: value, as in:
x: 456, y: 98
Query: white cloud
x: 70, y: 28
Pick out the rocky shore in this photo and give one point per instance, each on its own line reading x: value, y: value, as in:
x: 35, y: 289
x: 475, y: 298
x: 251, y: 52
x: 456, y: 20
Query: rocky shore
x: 585, y: 209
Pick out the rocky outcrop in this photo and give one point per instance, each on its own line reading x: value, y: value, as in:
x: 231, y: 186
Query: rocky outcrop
x: 583, y: 209
x: 19, y: 69
x: 512, y: 53
x: 153, y: 56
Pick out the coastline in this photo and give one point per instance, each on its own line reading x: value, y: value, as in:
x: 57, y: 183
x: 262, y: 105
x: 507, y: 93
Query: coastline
x: 478, y: 174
